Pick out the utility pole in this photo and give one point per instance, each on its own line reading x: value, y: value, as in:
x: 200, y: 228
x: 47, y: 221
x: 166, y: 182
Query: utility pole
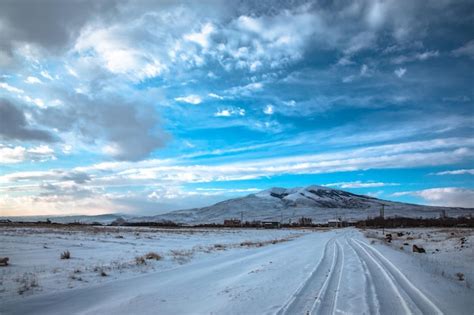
x: 382, y: 216
x: 241, y: 218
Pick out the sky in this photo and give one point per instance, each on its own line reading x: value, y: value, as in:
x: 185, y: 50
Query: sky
x: 142, y: 107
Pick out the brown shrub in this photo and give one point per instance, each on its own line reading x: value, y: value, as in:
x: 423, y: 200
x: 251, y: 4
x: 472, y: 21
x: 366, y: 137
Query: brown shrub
x: 153, y: 255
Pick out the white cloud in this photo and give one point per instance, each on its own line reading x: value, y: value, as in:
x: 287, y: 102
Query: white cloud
x: 42, y: 150
x: 33, y: 80
x: 348, y: 78
x: 37, y: 101
x: 465, y: 50
x: 376, y: 15
x: 201, y: 38
x: 191, y: 99
x: 385, y: 156
x: 71, y: 71
x: 10, y: 88
x: 269, y: 109
x: 362, y: 41
x: 427, y: 55
x: 112, y: 149
x: 270, y: 41
x: 418, y: 56
x: 45, y: 74
x: 246, y: 90
x: 456, y: 172
x: 63, y: 201
x: 446, y: 196
x: 227, y: 112
x: 18, y: 154
x: 67, y: 149
x: 290, y: 103
x: 359, y: 184
x: 178, y: 192
x: 117, y: 52
x: 229, y: 190
x: 12, y: 155
x: 364, y: 71
x: 345, y: 61
x: 254, y: 66
x: 189, y: 144
x: 213, y: 95
x: 56, y: 102
x: 400, y: 72
x: 223, y: 113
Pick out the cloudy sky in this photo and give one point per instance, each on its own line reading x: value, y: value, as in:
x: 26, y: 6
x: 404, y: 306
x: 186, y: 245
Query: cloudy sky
x: 142, y: 107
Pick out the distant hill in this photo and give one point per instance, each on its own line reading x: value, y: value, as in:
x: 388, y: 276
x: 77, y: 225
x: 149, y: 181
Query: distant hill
x: 317, y: 202
x: 85, y: 219
x: 277, y: 204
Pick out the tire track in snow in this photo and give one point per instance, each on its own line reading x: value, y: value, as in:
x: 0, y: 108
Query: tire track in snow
x: 303, y: 298
x: 327, y: 298
x: 338, y: 289
x: 385, y: 285
x: 422, y: 302
x: 370, y: 295
x: 314, y: 294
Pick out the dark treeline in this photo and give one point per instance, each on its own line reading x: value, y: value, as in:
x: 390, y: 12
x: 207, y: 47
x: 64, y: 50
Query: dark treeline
x: 377, y: 222
x: 416, y: 222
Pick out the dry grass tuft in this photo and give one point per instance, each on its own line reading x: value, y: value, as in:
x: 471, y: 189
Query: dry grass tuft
x: 182, y: 256
x: 460, y: 276
x: 65, y: 255
x: 153, y: 255
x: 27, y: 282
x: 140, y: 260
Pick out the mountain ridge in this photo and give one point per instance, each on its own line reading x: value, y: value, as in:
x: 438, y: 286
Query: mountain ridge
x: 319, y: 203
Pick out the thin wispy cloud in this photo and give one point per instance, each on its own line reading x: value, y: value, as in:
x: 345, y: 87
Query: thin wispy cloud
x: 456, y: 172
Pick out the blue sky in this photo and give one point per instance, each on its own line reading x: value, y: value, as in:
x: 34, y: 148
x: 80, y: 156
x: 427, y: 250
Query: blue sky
x: 140, y: 107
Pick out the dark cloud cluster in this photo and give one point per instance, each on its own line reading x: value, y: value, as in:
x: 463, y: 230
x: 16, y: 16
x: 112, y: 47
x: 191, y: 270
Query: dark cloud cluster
x: 127, y: 131
x: 13, y: 125
x: 77, y: 177
x: 50, y: 24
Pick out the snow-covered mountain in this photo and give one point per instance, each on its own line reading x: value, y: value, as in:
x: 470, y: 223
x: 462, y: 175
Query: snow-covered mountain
x: 317, y: 202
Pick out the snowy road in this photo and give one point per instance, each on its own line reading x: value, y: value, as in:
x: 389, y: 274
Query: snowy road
x: 386, y: 286
x: 336, y: 272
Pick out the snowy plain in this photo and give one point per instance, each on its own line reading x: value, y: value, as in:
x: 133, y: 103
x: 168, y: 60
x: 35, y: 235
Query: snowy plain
x: 232, y: 271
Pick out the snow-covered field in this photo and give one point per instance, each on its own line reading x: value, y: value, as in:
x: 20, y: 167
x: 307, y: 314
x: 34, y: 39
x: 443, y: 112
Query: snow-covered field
x: 449, y: 251
x: 231, y: 271
x: 35, y: 253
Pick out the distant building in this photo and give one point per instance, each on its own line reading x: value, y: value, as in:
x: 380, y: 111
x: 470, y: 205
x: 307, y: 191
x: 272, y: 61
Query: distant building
x: 443, y: 214
x: 232, y: 222
x: 305, y: 221
x: 334, y: 223
x: 271, y: 224
x: 118, y: 222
